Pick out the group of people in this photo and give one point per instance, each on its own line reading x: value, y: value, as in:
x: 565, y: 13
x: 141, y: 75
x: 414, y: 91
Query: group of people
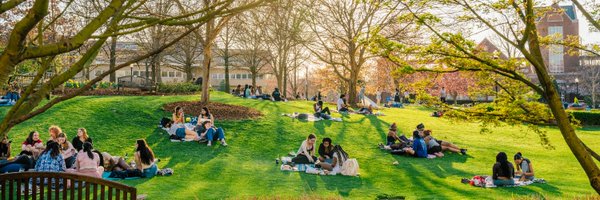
x: 503, y: 172
x: 331, y: 157
x: 421, y: 145
x: 13, y: 94
x: 77, y: 156
x: 248, y: 91
x: 204, y: 129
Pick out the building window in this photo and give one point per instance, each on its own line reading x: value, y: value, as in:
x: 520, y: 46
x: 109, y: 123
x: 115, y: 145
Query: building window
x: 213, y: 76
x: 556, y: 57
x: 221, y: 76
x: 238, y: 76
x: 244, y: 76
x: 178, y: 74
x: 171, y: 74
x: 136, y: 73
x: 164, y: 74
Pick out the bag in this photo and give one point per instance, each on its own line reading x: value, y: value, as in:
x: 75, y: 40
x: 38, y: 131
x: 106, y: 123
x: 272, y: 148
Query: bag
x: 165, y: 172
x: 164, y: 121
x: 303, y: 116
x: 350, y: 167
x: 478, y: 181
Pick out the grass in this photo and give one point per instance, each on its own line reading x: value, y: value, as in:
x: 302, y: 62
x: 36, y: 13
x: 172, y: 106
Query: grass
x: 246, y: 168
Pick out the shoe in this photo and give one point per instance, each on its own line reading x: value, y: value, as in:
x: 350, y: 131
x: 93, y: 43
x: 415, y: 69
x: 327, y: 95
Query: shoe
x: 465, y: 180
x: 381, y: 146
x: 223, y: 143
x: 209, y: 143
x: 463, y: 151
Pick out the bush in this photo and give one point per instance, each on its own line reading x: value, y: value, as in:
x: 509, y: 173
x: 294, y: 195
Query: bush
x: 178, y: 88
x: 587, y: 118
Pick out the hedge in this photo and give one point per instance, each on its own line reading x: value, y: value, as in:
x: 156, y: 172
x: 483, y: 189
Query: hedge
x: 178, y: 88
x: 587, y: 118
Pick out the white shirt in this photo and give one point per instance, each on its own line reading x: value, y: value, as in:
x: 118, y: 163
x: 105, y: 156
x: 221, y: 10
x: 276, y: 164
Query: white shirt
x: 340, y: 103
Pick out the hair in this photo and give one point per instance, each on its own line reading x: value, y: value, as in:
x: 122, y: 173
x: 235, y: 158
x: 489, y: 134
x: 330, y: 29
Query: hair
x: 320, y: 103
x: 502, y: 158
x: 342, y: 96
x: 146, y: 154
x: 63, y: 146
x: 204, y: 123
x: 393, y: 127
x: 177, y: 110
x: 87, y: 147
x: 330, y: 147
x: 427, y: 132
x: 55, y: 129
x: 29, y: 139
x: 340, y: 153
x: 311, y: 136
x: 205, y: 110
x: 518, y: 156
x: 421, y: 125
x: 99, y: 156
x: 52, y: 147
x: 85, y: 133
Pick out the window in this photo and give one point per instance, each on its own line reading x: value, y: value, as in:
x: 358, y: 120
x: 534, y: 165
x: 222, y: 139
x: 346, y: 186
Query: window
x: 238, y: 76
x: 249, y: 76
x: 136, y: 73
x: 556, y: 52
x: 164, y: 74
x: 171, y: 74
x: 244, y: 76
x: 213, y: 76
x: 221, y: 76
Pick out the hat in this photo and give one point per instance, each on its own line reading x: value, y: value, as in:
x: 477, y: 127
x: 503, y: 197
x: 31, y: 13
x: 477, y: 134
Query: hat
x: 420, y: 126
x: 393, y: 127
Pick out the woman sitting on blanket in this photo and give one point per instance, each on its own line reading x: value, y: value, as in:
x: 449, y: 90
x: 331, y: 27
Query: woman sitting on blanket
x: 326, y: 150
x: 205, y: 115
x: 320, y: 111
x: 503, y: 171
x: 211, y: 133
x: 366, y: 110
x: 178, y: 116
x: 181, y: 131
x: 144, y: 159
x: 524, y: 168
x: 339, y: 157
x: 306, y: 152
x: 88, y: 162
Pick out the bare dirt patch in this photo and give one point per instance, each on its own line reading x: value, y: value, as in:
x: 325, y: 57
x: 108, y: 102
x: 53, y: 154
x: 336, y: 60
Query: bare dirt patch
x: 221, y: 111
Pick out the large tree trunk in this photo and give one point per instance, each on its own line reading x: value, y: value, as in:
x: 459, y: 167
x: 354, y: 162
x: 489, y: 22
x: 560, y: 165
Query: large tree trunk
x: 227, y: 85
x: 188, y: 72
x: 113, y: 58
x: 207, y: 52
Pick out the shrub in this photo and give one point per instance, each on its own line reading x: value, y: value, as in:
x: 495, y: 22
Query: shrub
x: 178, y: 87
x: 587, y: 118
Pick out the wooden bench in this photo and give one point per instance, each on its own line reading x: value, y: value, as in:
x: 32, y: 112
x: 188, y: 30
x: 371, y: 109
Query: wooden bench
x: 16, y: 185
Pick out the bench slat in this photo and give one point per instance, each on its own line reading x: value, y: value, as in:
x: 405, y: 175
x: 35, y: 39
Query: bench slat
x: 95, y: 192
x: 11, y: 188
x: 57, y: 182
x: 34, y: 188
x: 87, y: 191
x: 18, y: 189
x: 102, y: 196
x: 80, y: 190
x: 110, y: 193
x: 65, y: 188
x: 26, y: 185
x: 3, y: 189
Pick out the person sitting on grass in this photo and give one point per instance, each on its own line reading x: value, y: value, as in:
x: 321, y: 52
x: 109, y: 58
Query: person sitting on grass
x: 306, y: 152
x: 54, y: 131
x: 339, y: 157
x: 33, y: 145
x: 433, y: 147
x: 392, y: 136
x: 88, y: 162
x: 51, y: 160
x: 419, y: 145
x: 341, y: 104
x: 212, y: 133
x: 67, y: 150
x: 276, y: 95
x: 366, y: 110
x: 447, y: 146
x: 205, y: 115
x: 181, y: 131
x: 113, y: 163
x: 178, y: 116
x: 524, y: 168
x: 320, y: 111
x: 503, y: 171
x: 4, y: 149
x: 326, y: 150
x: 144, y: 159
x: 238, y: 91
x: 82, y: 137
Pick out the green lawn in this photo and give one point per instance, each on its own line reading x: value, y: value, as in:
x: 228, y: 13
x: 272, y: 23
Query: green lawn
x: 246, y: 168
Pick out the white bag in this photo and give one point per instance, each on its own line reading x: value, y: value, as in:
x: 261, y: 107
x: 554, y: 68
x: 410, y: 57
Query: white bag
x: 350, y: 167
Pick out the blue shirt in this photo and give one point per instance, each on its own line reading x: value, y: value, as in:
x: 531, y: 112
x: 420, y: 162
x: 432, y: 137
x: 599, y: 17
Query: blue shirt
x: 48, y: 164
x: 420, y: 148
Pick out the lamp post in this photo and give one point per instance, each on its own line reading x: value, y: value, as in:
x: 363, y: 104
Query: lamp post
x: 131, y: 73
x: 577, y: 85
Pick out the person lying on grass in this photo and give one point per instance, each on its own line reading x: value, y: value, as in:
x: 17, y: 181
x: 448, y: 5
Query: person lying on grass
x: 326, y: 150
x: 503, y: 171
x: 306, y: 152
x: 433, y: 147
x: 366, y: 110
x: 178, y: 116
x: 181, y: 131
x: 113, y: 163
x: 446, y: 146
x: 524, y: 168
x: 212, y: 133
x: 339, y: 157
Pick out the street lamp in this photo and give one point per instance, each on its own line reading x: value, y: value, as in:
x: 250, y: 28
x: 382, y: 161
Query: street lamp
x: 131, y: 72
x: 577, y: 84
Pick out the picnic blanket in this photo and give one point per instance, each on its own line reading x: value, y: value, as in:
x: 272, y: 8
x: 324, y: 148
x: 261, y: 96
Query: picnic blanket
x: 187, y: 126
x: 488, y: 182
x: 307, y: 168
x: 310, y: 117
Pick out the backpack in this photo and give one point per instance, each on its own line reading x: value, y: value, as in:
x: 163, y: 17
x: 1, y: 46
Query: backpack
x: 303, y: 116
x: 164, y: 121
x: 350, y: 167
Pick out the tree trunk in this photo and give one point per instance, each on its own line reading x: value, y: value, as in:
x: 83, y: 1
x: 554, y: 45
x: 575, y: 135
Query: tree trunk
x: 206, y: 74
x: 254, y: 74
x: 226, y: 62
x: 188, y: 72
x: 285, y: 78
x: 113, y: 58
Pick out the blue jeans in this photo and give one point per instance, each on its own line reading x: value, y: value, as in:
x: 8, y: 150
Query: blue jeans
x: 210, y: 134
x: 14, y: 167
x: 150, y: 171
x: 499, y: 182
